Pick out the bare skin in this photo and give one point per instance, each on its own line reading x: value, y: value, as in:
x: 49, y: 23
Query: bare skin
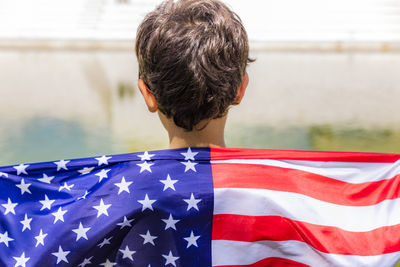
x: 212, y: 135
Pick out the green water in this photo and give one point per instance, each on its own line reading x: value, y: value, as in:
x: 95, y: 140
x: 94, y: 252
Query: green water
x: 45, y: 139
x: 318, y: 137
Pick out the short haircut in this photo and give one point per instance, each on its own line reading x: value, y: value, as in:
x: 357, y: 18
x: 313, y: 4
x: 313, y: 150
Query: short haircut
x: 192, y: 56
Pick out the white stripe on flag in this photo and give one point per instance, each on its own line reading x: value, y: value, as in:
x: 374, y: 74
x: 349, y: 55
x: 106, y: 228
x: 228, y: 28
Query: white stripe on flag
x: 245, y: 253
x: 260, y: 202
x: 350, y: 172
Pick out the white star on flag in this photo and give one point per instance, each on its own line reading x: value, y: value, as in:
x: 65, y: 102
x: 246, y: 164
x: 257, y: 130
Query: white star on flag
x: 5, y: 239
x: 123, y: 186
x: 145, y: 156
x: 170, y: 222
x: 46, y: 203
x: 148, y: 238
x: 192, y: 202
x: 168, y: 183
x: 84, y: 195
x: 3, y: 174
x: 65, y: 186
x: 21, y: 261
x: 61, y: 255
x: 103, y: 160
x: 189, y: 155
x: 40, y: 238
x: 102, y: 174
x: 147, y: 203
x: 189, y: 166
x: 21, y: 168
x: 102, y: 208
x: 81, y: 232
x: 86, y: 170
x: 85, y: 262
x: 46, y: 179
x: 145, y: 166
x: 59, y: 215
x: 106, y: 241
x: 9, y: 207
x: 24, y: 187
x: 192, y: 240
x: 125, y: 223
x: 127, y: 253
x: 62, y: 164
x: 108, y: 263
x: 26, y: 222
x: 170, y: 259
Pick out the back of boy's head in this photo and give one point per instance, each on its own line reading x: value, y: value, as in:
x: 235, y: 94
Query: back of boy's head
x: 192, y: 56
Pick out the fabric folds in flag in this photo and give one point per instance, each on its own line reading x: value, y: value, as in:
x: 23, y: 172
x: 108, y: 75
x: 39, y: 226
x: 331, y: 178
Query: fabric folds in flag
x: 203, y: 207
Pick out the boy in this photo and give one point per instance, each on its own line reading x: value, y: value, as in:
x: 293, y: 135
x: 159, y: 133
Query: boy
x: 200, y: 207
x: 192, y: 66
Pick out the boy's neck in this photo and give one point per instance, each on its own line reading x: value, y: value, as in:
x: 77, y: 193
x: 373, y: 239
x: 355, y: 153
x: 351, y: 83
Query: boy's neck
x: 212, y: 135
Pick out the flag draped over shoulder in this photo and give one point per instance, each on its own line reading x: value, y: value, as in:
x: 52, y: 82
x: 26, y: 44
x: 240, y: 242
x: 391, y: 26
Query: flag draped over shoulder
x: 203, y: 207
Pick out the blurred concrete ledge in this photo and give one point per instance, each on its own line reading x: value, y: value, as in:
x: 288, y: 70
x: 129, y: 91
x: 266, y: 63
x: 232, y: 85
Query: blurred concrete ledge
x: 90, y: 45
x: 327, y: 46
x: 70, y: 45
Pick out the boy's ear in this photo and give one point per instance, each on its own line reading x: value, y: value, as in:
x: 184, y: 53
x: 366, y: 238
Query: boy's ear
x: 242, y: 89
x: 148, y: 97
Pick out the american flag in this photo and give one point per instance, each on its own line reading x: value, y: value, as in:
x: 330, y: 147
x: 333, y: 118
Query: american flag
x: 203, y: 207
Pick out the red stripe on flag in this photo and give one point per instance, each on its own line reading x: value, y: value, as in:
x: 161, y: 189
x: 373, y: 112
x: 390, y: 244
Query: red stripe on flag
x: 323, y: 238
x: 232, y: 153
x: 226, y: 175
x: 272, y: 262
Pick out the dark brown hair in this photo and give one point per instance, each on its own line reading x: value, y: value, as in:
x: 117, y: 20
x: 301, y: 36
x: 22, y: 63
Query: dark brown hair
x: 192, y: 56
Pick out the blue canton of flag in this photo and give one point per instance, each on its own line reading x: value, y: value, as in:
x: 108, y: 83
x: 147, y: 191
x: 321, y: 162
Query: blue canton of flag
x: 140, y: 209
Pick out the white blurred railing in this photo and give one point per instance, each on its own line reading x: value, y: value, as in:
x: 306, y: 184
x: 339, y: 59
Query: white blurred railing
x: 321, y: 20
x: 265, y: 20
x: 71, y: 19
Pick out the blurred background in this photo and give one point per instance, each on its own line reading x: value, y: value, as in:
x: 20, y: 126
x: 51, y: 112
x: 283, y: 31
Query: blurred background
x: 327, y: 77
